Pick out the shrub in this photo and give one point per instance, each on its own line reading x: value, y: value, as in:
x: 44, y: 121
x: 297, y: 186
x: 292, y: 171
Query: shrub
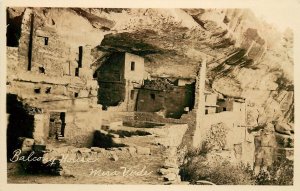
x: 218, y: 172
x: 223, y: 172
x: 280, y: 173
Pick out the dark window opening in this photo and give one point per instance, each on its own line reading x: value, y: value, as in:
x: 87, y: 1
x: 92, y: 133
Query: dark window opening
x: 42, y: 70
x: 80, y: 57
x: 63, y: 124
x: 152, y: 96
x: 46, y: 40
x: 224, y: 109
x: 131, y: 94
x: 76, y: 71
x: 48, y: 90
x: 13, y: 29
x: 76, y: 94
x: 37, y: 90
x: 206, y: 111
x: 132, y: 66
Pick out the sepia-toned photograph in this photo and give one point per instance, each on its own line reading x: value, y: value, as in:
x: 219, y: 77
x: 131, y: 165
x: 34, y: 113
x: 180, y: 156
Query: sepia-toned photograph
x: 148, y: 96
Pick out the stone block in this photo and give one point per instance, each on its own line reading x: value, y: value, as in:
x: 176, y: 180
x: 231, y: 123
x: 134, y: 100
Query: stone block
x: 170, y: 177
x: 94, y: 92
x: 103, y: 132
x: 97, y: 149
x: 143, y: 150
x: 114, y: 135
x: 62, y: 150
x: 132, y: 150
x: 165, y: 171
x: 84, y: 150
x: 114, y: 157
x: 66, y: 173
x: 26, y: 143
x: 74, y: 150
x: 116, y: 124
x: 92, y: 84
x: 117, y: 140
x: 83, y: 93
x: 39, y: 141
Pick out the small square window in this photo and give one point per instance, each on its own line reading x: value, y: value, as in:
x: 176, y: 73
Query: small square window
x: 48, y: 90
x: 42, y: 70
x: 76, y: 94
x: 152, y: 96
x: 224, y: 109
x: 37, y: 90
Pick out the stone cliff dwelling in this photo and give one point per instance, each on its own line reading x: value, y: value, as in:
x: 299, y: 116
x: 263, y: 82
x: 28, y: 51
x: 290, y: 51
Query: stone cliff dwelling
x: 123, y: 86
x: 55, y: 97
x: 55, y: 81
x: 119, y: 77
x: 68, y: 101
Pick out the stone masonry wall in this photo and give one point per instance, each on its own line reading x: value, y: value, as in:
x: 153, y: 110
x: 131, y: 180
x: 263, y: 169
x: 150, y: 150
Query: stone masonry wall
x: 51, y: 72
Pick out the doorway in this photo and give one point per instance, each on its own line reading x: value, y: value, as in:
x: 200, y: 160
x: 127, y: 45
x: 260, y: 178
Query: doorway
x: 57, y: 125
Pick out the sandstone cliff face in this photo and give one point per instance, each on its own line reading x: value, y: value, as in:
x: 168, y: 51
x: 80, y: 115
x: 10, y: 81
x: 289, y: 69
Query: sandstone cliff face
x: 246, y: 57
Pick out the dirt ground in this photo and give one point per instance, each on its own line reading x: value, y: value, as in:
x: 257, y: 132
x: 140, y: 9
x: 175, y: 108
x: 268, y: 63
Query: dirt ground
x: 82, y: 172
